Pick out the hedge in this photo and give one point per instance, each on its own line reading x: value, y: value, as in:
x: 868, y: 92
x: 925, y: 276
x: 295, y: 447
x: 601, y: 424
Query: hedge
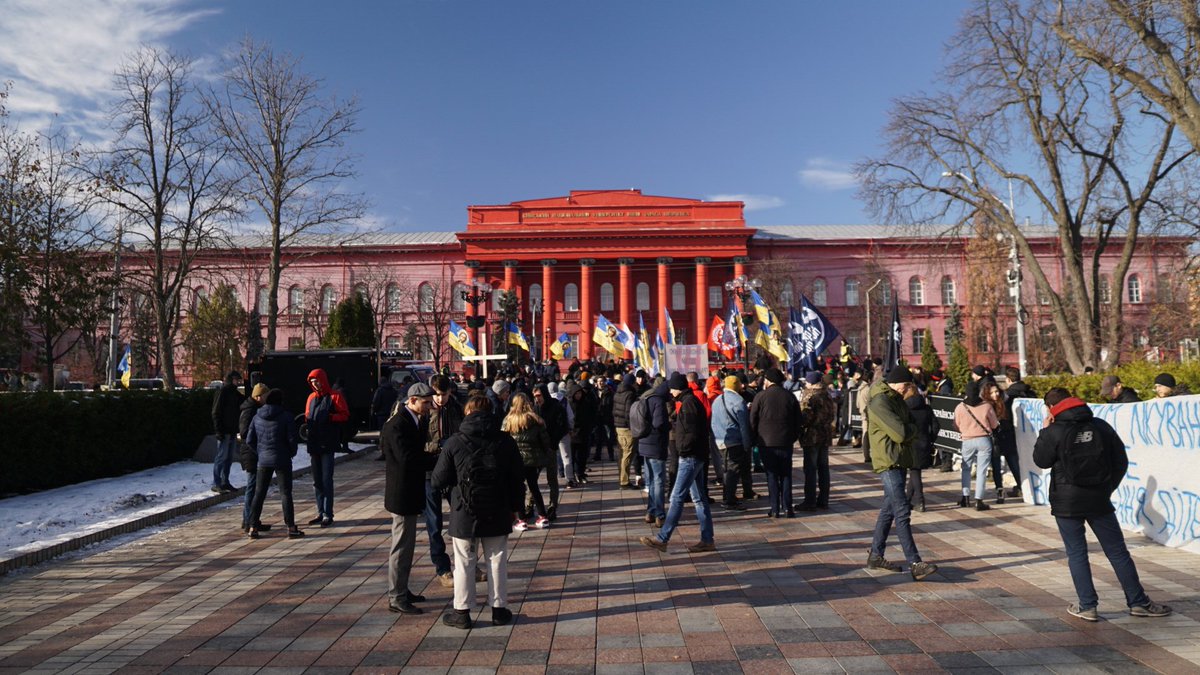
x: 1138, y: 376
x: 55, y: 439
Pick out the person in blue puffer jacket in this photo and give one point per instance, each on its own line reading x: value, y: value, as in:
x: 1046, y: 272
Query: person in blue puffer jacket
x: 274, y: 437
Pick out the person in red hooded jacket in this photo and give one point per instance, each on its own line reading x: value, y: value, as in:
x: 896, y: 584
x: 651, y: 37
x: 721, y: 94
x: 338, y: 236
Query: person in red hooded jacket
x: 324, y: 414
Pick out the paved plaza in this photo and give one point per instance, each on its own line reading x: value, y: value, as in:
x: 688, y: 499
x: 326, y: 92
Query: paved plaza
x: 777, y: 596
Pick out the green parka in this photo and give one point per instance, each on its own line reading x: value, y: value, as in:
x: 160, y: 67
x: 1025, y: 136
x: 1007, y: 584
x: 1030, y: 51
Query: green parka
x: 891, y: 429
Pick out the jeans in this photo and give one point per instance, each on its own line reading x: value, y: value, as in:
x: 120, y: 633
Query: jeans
x: 263, y: 483
x: 691, y: 472
x: 656, y: 471
x: 816, y: 476
x: 322, y: 475
x: 552, y: 481
x: 894, y: 509
x: 433, y: 527
x: 977, y: 451
x: 400, y: 556
x: 625, y: 442
x: 251, y: 483
x: 226, y: 446
x: 1108, y: 532
x: 735, y: 460
x: 778, y: 463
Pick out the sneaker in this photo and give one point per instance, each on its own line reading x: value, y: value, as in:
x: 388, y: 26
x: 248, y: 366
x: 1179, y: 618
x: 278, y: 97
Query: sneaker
x: 649, y: 519
x: 922, y: 569
x: 654, y: 543
x: 501, y: 616
x: 964, y: 502
x: 326, y: 522
x: 217, y: 488
x: 253, y: 533
x: 520, y: 526
x: 1089, y: 614
x: 878, y: 562
x: 541, y: 523
x: 295, y: 533
x: 457, y: 619
x: 263, y: 527
x: 480, y: 575
x: 659, y: 522
x: 702, y: 547
x: 446, y: 579
x: 981, y: 505
x: 316, y: 521
x: 1000, y: 496
x: 1152, y: 609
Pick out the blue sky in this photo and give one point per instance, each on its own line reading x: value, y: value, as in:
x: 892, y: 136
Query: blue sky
x: 490, y: 102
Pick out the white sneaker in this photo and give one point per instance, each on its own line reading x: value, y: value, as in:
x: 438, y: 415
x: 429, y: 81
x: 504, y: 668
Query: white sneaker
x: 541, y: 523
x: 520, y: 526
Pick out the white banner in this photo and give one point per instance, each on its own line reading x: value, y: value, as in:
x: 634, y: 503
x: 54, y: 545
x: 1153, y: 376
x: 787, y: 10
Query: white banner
x: 1160, y: 495
x: 687, y: 358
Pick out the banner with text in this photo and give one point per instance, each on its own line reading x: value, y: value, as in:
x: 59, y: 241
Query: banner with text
x: 685, y: 359
x: 948, y: 437
x: 1160, y: 496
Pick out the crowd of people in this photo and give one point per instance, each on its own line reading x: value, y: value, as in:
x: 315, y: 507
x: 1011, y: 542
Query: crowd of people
x: 482, y: 448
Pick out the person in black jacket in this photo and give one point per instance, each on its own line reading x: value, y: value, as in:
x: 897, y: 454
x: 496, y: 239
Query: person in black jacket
x: 1112, y: 389
x: 225, y: 413
x: 627, y: 393
x: 402, y: 441
x: 249, y: 458
x: 585, y: 411
x: 922, y: 445
x: 653, y: 450
x: 691, y: 431
x: 472, y: 524
x: 1089, y: 461
x: 775, y: 422
x: 274, y: 437
x: 604, y: 435
x: 1006, y: 434
x: 555, y: 417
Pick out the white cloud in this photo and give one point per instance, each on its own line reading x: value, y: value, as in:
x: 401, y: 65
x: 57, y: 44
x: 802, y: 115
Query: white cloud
x: 825, y: 174
x: 753, y: 202
x: 61, y: 56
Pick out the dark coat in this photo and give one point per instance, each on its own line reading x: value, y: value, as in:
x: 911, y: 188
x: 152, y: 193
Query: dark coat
x: 1076, y: 501
x: 482, y: 431
x: 245, y: 416
x: 555, y: 416
x: 586, y: 412
x: 775, y: 419
x: 402, y: 441
x: 626, y: 394
x: 926, y: 431
x: 225, y: 409
x: 1127, y: 395
x: 384, y: 399
x: 654, y: 446
x: 690, y: 427
x: 273, y: 436
x: 534, y: 445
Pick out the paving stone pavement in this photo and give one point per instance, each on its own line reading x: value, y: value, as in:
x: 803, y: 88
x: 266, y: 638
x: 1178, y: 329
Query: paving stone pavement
x: 785, y: 595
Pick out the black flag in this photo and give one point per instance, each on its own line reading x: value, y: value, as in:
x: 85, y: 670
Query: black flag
x: 894, y: 338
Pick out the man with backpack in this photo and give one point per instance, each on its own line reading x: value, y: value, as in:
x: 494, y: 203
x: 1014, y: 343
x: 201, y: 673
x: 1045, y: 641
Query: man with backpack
x: 1089, y: 461
x: 731, y: 429
x: 649, y: 424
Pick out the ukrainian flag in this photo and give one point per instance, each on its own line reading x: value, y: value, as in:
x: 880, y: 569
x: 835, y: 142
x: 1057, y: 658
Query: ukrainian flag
x: 761, y: 309
x: 606, y: 334
x: 770, y: 337
x: 642, y: 353
x: 670, y: 327
x: 125, y: 367
x: 460, y: 339
x: 561, y: 348
x: 515, y: 336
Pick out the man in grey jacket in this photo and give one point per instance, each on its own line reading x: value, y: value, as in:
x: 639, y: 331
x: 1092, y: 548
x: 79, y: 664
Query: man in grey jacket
x: 731, y: 430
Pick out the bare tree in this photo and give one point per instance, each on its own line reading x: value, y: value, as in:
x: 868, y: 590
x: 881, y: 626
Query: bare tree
x: 432, y: 308
x: 166, y: 174
x: 385, y: 293
x: 1021, y: 107
x: 291, y: 144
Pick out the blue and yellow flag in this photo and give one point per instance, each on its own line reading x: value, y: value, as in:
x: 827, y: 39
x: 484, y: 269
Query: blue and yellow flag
x: 761, y: 309
x: 515, y: 336
x: 626, y: 338
x: 670, y: 327
x: 605, y: 335
x: 660, y: 355
x: 125, y: 367
x: 561, y: 348
x: 641, y: 354
x: 770, y: 337
x: 460, y: 339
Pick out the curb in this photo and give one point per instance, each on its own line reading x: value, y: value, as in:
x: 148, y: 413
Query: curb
x: 50, y: 552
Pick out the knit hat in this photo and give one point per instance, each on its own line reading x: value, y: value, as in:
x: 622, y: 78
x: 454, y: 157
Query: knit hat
x: 677, y: 381
x: 260, y: 390
x: 899, y: 375
x: 1165, y: 379
x: 500, y: 387
x: 1107, y: 385
x: 813, y: 377
x: 980, y: 371
x: 732, y: 383
x: 774, y: 375
x: 642, y: 374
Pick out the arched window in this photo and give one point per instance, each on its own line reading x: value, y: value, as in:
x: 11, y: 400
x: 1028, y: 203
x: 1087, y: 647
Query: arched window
x: 1135, y: 289
x: 328, y: 299
x: 264, y: 301
x: 570, y: 298
x: 606, y: 297
x: 425, y: 299
x: 643, y: 297
x: 295, y: 300
x: 852, y: 292
x: 949, y: 297
x: 678, y: 296
x: 535, y: 295
x: 1105, y: 289
x: 785, y: 295
x: 361, y: 291
x: 393, y: 298
x: 457, y: 304
x: 916, y: 291
x: 820, y: 292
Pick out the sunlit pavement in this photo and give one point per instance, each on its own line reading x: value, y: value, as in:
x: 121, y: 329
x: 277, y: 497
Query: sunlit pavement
x: 777, y: 595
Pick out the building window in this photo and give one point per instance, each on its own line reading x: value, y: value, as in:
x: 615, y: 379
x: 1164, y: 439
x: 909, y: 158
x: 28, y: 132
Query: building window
x: 606, y: 297
x: 498, y: 300
x: 916, y: 291
x: 678, y: 296
x: 361, y: 291
x: 1010, y: 335
x: 918, y: 340
x: 981, y: 341
x: 1105, y: 289
x: 264, y: 301
x: 574, y: 346
x: 1043, y: 297
x: 393, y: 298
x: 643, y: 297
x: 295, y: 300
x: 424, y: 348
x: 1135, y: 289
x: 681, y: 336
x: 716, y: 297
x: 535, y: 296
x: 885, y: 291
x: 570, y: 298
x: 786, y: 294
x: 295, y: 344
x: 394, y: 342
x: 1166, y: 294
x: 328, y: 299
x: 949, y: 297
x: 425, y: 299
x: 820, y: 292
x: 852, y: 292
x: 457, y: 303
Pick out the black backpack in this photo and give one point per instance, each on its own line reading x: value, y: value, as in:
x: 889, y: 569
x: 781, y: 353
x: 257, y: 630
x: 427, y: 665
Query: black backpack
x: 1084, y: 457
x: 481, y: 483
x: 639, y: 418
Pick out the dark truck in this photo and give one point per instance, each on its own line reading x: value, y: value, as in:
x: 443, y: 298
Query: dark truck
x: 357, y: 369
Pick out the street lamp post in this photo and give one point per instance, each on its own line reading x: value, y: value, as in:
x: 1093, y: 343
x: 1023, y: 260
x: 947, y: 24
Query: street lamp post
x: 1014, y: 258
x: 478, y: 294
x: 742, y: 286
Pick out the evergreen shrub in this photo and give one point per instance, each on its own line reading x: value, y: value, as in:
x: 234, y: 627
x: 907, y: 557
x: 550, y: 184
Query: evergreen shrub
x: 1138, y: 375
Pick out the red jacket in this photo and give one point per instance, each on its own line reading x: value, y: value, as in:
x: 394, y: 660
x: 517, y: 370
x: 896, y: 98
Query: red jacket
x: 325, y: 437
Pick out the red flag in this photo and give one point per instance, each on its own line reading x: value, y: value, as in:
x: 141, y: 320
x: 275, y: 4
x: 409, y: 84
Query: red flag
x: 715, y: 344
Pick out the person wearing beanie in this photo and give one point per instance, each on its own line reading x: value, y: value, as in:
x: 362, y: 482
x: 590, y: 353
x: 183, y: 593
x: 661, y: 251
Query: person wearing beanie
x: 226, y: 410
x: 976, y: 421
x: 892, y: 430
x: 1164, y: 385
x: 247, y: 457
x: 730, y: 426
x: 1081, y: 485
x: 775, y: 423
x: 978, y: 373
x: 818, y: 411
